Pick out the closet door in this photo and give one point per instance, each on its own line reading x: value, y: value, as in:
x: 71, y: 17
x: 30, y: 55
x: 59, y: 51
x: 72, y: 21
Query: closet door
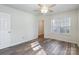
x: 4, y: 30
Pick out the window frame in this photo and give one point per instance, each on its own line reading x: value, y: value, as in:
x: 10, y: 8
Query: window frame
x: 61, y: 19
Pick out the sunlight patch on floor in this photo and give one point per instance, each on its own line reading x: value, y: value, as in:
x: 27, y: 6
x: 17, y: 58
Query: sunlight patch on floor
x: 41, y: 52
x: 34, y: 44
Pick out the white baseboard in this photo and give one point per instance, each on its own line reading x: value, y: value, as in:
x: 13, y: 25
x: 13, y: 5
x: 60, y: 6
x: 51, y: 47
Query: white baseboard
x: 66, y: 40
x: 14, y: 44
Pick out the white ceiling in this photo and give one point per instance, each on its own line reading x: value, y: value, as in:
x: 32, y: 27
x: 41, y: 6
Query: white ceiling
x: 32, y: 7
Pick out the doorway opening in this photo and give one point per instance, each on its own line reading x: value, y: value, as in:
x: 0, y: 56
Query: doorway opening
x: 41, y: 30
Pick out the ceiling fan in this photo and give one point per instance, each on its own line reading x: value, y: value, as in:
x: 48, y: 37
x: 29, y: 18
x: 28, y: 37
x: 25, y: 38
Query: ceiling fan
x: 45, y: 8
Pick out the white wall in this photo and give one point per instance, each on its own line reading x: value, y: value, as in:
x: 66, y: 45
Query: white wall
x: 72, y: 37
x: 78, y: 27
x: 23, y: 25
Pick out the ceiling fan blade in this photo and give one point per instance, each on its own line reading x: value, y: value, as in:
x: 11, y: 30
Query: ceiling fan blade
x: 40, y: 5
x: 52, y: 5
x: 37, y: 11
x: 50, y: 10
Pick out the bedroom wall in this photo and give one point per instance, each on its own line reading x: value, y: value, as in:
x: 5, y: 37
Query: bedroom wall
x: 24, y: 26
x: 72, y: 37
x: 78, y: 27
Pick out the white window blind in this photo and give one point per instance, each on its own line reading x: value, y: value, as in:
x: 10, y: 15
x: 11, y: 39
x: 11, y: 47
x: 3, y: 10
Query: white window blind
x: 61, y: 25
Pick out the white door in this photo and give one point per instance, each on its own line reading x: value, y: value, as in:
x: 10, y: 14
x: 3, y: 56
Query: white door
x: 4, y: 30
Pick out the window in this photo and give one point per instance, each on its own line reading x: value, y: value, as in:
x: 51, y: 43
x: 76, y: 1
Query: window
x: 61, y: 25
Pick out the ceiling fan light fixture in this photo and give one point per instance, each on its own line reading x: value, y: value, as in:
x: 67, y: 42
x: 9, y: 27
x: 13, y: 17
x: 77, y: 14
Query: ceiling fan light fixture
x: 44, y: 9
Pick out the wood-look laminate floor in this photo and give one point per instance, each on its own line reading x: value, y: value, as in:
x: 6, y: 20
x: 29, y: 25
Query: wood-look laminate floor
x: 49, y: 47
